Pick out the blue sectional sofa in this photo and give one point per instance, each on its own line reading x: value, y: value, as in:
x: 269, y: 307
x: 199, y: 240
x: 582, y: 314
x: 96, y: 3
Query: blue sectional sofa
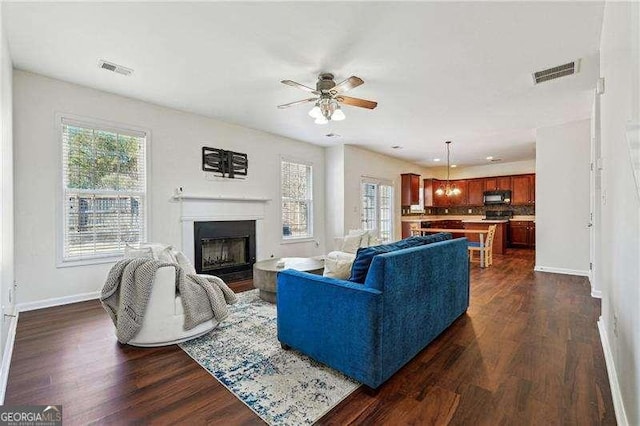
x: 369, y: 331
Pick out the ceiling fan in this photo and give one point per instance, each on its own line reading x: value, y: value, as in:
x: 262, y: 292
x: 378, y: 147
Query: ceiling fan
x: 329, y: 96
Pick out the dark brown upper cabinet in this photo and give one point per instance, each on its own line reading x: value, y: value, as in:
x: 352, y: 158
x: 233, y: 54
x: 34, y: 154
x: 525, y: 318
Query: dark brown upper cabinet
x: 476, y: 188
x: 523, y: 189
x: 410, y: 188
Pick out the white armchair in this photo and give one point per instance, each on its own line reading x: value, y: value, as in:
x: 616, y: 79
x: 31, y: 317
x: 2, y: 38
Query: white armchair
x: 163, y: 322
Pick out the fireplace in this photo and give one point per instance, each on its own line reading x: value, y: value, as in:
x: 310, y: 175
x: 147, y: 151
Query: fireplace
x: 226, y: 249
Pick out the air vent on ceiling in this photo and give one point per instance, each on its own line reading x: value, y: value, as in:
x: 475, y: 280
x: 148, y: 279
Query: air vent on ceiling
x: 110, y: 66
x: 556, y: 72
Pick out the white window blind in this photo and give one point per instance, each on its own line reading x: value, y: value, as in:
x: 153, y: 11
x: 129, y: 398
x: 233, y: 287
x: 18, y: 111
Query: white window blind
x: 377, y: 208
x: 104, y: 190
x: 297, y: 200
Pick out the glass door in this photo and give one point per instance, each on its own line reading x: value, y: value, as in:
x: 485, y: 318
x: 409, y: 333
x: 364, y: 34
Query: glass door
x: 377, y: 208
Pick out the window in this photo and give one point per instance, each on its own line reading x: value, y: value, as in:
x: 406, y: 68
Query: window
x: 377, y: 208
x: 297, y: 200
x: 104, y: 190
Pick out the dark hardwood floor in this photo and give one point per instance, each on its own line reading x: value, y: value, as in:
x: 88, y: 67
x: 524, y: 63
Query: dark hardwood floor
x: 527, y: 352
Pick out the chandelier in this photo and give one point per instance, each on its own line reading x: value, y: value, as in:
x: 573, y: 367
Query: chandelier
x: 448, y: 189
x: 325, y: 109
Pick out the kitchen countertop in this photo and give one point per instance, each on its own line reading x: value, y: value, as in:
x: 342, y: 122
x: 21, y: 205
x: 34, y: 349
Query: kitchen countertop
x: 464, y: 218
x: 485, y: 221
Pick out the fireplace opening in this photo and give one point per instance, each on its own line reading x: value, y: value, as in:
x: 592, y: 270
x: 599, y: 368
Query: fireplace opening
x: 224, y: 252
x: 226, y: 249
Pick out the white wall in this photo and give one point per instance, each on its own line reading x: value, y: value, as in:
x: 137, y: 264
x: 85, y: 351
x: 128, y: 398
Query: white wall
x: 175, y: 160
x: 494, y: 169
x: 562, y: 198
x: 334, y: 208
x: 620, y: 251
x: 6, y: 181
x: 359, y: 163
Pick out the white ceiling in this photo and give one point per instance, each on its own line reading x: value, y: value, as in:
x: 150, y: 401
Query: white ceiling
x: 458, y: 71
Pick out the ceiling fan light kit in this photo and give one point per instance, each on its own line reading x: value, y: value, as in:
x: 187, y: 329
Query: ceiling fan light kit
x: 327, y: 104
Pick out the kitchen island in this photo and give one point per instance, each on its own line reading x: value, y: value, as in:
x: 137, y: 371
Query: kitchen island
x: 499, y: 240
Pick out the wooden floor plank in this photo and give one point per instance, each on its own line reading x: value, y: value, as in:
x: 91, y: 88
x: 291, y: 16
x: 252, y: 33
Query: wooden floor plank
x: 526, y: 352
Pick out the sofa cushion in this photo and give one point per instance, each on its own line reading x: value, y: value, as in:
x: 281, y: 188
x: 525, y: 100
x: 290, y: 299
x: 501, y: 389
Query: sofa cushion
x: 433, y: 238
x: 339, y: 268
x: 365, y: 256
x: 131, y: 252
x: 351, y: 242
x: 184, y: 262
x: 363, y: 261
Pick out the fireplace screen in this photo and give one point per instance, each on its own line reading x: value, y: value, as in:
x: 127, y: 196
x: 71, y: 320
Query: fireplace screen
x: 224, y: 252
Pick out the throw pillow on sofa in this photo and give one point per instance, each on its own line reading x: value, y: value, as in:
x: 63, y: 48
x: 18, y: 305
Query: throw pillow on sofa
x: 368, y: 237
x: 337, y: 268
x: 365, y: 256
x: 131, y: 252
x: 184, y: 262
x: 157, y: 251
x: 351, y: 242
x: 363, y: 261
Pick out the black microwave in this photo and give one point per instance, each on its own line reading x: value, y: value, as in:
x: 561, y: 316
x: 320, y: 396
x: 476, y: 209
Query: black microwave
x: 496, y: 197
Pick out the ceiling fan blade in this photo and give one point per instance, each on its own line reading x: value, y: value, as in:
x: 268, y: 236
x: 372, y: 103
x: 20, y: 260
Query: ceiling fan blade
x: 304, y: 101
x: 300, y: 86
x: 348, y: 84
x: 362, y: 103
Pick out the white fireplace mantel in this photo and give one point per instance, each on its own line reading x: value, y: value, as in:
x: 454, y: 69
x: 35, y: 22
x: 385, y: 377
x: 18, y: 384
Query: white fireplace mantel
x: 186, y: 197
x: 196, y: 208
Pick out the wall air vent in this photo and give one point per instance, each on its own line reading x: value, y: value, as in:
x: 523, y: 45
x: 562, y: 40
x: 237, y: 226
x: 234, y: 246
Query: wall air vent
x: 556, y: 72
x: 110, y: 66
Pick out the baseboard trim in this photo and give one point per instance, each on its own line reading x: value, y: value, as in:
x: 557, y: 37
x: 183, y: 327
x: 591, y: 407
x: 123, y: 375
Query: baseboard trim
x: 564, y: 271
x: 7, y: 354
x: 616, y: 395
x: 57, y: 301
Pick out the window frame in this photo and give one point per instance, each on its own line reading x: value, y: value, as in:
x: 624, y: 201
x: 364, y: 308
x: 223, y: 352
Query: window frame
x: 311, y: 231
x: 378, y: 182
x: 110, y: 126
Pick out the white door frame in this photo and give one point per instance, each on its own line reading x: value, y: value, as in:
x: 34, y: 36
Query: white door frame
x: 595, y: 187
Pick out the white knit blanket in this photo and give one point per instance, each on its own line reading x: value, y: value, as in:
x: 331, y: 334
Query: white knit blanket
x: 126, y: 292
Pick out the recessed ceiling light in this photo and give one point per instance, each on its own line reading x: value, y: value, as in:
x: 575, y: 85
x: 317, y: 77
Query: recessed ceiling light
x: 396, y: 147
x: 436, y: 159
x: 489, y: 158
x: 453, y: 166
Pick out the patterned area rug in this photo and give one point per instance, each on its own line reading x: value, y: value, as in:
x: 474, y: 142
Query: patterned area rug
x: 282, y: 387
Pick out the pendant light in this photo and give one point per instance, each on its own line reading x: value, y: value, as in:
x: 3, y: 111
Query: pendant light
x: 448, y: 189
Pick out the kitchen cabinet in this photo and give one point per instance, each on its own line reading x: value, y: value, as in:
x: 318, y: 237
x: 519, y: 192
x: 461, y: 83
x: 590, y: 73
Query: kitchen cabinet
x: 410, y: 189
x: 406, y: 229
x: 427, y: 188
x: 504, y: 183
x: 497, y: 183
x: 490, y: 184
x: 524, y: 189
x: 522, y: 233
x: 475, y: 188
